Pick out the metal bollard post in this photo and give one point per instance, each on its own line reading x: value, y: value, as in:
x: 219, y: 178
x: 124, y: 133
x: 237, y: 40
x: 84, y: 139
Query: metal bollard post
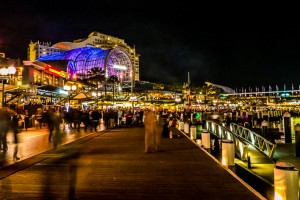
x: 249, y: 160
x: 205, y: 138
x: 286, y: 182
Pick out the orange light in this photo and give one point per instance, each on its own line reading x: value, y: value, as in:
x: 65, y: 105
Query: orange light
x: 54, y: 71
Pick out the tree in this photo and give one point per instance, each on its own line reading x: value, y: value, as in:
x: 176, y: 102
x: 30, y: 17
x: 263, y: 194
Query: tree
x: 96, y: 76
x: 113, y: 79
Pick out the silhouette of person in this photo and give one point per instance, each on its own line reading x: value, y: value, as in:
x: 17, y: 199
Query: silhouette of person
x: 15, y: 127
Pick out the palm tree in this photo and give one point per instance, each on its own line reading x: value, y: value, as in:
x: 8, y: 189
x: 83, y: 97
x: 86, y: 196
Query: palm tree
x: 113, y: 79
x: 96, y: 76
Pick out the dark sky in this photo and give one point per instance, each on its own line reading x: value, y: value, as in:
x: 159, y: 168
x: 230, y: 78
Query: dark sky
x: 172, y: 38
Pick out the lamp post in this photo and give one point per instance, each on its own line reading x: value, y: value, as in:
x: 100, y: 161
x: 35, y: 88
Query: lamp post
x: 6, y: 73
x: 70, y: 88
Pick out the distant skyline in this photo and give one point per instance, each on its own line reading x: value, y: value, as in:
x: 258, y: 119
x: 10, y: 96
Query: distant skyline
x: 172, y: 39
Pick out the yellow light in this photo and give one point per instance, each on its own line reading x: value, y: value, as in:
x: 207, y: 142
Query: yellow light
x: 54, y: 71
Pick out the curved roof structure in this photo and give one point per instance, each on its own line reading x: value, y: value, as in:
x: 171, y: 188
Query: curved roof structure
x: 114, y: 61
x: 226, y: 89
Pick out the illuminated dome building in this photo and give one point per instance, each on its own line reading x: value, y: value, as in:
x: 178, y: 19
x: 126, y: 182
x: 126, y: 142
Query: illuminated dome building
x: 114, y: 61
x: 98, y: 50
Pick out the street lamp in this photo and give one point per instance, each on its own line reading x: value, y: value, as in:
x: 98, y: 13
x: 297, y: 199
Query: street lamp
x: 70, y: 88
x: 6, y: 73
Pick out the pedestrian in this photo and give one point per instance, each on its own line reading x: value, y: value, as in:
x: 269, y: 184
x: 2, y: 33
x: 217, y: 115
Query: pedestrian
x: 16, y: 130
x: 57, y: 120
x: 152, y: 135
x: 96, y: 116
x: 26, y: 119
x: 47, y: 116
x: 5, y: 121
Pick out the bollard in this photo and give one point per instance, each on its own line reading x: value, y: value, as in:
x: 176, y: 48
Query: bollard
x: 264, y: 125
x: 192, y: 118
x: 181, y: 126
x: 286, y: 182
x: 193, y: 132
x: 297, y: 139
x: 249, y: 160
x: 287, y: 127
x: 228, y: 152
x: 170, y: 134
x: 205, y: 139
x: 186, y: 127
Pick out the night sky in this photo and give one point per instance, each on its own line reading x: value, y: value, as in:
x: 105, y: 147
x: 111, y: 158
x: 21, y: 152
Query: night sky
x: 171, y: 38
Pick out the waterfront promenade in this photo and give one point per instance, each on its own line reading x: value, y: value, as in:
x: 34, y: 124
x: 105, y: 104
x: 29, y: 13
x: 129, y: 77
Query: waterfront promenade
x: 112, y: 164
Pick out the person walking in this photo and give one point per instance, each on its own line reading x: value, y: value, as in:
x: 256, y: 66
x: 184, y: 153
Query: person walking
x: 5, y: 121
x: 57, y: 120
x: 26, y: 119
x: 16, y: 130
x: 152, y: 132
x: 96, y: 116
x: 48, y: 115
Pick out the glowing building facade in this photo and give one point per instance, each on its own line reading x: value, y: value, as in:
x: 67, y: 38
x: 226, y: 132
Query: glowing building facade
x: 114, y: 61
x: 97, y: 50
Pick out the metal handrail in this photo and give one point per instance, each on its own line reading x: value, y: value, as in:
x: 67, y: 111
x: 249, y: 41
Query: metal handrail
x: 241, y: 146
x: 259, y: 142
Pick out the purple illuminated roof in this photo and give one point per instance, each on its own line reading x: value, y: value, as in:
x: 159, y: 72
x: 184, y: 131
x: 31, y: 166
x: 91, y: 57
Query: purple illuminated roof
x: 82, y: 60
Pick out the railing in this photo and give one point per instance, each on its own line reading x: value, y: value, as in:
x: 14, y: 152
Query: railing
x: 241, y: 146
x: 259, y: 142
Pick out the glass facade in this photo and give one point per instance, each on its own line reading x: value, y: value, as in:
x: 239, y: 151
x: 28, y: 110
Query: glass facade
x: 82, y: 60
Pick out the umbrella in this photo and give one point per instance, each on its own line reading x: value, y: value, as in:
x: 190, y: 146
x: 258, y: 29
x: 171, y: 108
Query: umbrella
x: 81, y: 96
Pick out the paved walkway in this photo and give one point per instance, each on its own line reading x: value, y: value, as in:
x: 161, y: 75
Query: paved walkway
x: 112, y: 164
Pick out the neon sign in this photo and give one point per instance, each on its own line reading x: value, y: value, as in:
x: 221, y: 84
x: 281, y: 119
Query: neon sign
x: 56, y: 71
x: 62, y: 46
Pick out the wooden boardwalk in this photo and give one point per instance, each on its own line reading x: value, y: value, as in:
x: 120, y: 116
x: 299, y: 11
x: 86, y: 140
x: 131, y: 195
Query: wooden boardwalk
x: 112, y: 164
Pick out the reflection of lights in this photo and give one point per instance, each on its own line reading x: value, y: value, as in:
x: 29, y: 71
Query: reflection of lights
x: 69, y: 88
x: 74, y: 87
x: 134, y: 98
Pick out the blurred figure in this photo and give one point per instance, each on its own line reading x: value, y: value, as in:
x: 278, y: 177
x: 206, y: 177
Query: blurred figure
x: 57, y: 120
x: 16, y: 130
x: 96, y: 116
x: 5, y: 122
x: 86, y: 119
x: 47, y: 116
x: 26, y: 119
x: 39, y: 116
x: 152, y: 135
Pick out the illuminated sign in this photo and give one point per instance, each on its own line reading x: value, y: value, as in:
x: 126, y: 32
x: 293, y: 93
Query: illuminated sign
x: 55, y: 71
x: 120, y: 67
x: 62, y: 46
